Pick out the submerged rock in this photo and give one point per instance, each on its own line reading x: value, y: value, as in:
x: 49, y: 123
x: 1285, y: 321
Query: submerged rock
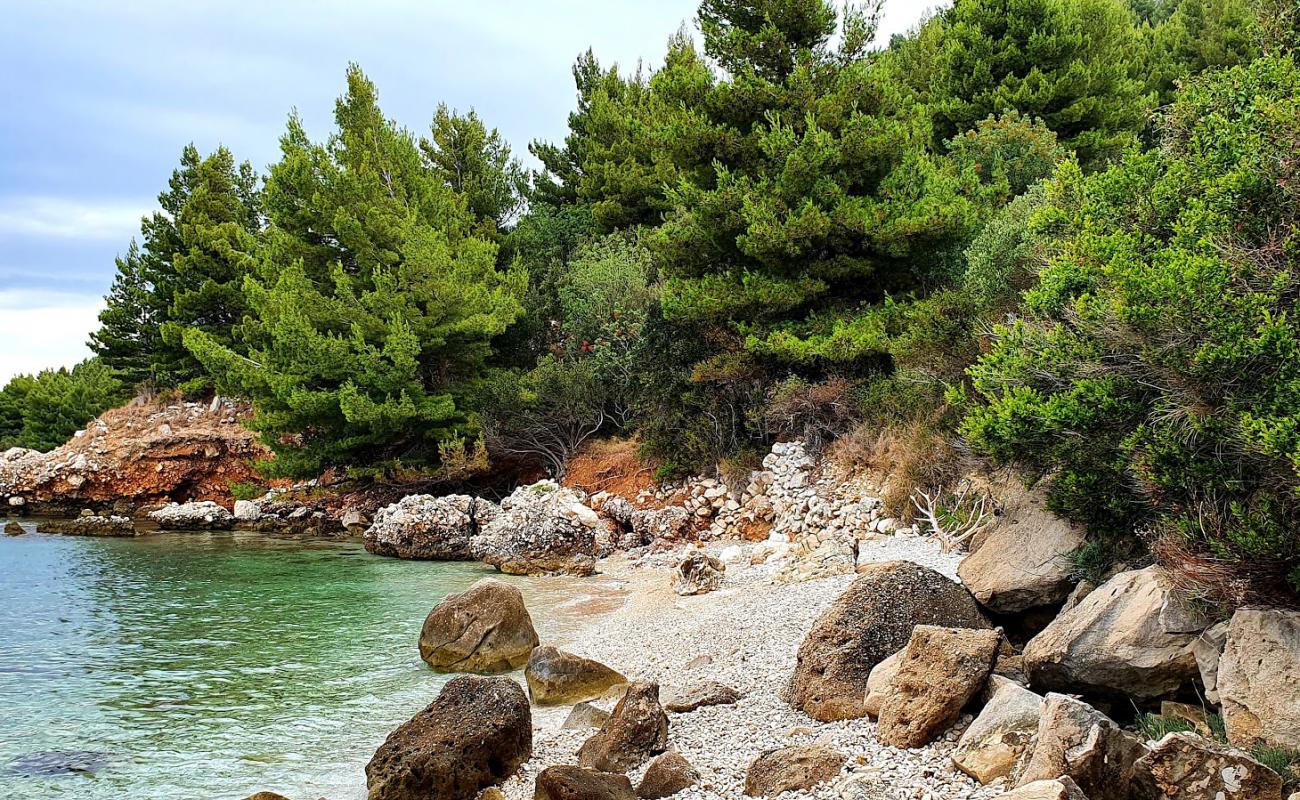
x: 14, y: 529
x: 871, y: 621
x: 556, y: 677
x: 543, y: 529
x: 484, y: 629
x: 427, y: 527
x: 475, y: 735
x: 202, y: 515
x: 59, y: 762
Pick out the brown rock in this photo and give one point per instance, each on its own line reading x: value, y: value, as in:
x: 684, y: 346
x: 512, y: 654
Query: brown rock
x: 1077, y: 741
x: 14, y: 529
x: 1259, y: 678
x: 792, y: 769
x: 707, y: 693
x: 1056, y: 789
x: 1191, y: 767
x: 941, y: 669
x: 666, y: 776
x: 1113, y: 642
x: 475, y: 735
x: 483, y: 629
x: 878, y: 683
x: 871, y: 621
x: 1002, y: 736
x: 555, y: 677
x: 266, y: 796
x: 576, y: 783
x: 636, y: 730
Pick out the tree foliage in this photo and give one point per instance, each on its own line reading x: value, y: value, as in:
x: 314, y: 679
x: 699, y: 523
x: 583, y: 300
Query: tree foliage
x: 42, y: 411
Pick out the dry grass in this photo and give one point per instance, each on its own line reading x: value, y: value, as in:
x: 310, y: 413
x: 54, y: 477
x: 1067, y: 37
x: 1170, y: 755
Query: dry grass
x: 904, y: 459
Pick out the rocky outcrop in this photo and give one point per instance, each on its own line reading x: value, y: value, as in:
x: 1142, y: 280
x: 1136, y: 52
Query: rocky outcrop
x: 1081, y: 743
x: 475, y: 735
x: 543, y: 529
x: 1003, y: 733
x: 90, y: 525
x: 871, y: 621
x: 797, y: 768
x: 708, y: 693
x: 636, y: 730
x: 1020, y: 562
x: 483, y: 629
x: 698, y: 573
x: 576, y: 783
x: 1259, y: 678
x: 137, y: 455
x: 1113, y: 642
x: 427, y: 527
x: 1055, y: 789
x: 940, y: 671
x: 203, y: 515
x: 1191, y: 767
x: 667, y: 775
x: 556, y: 677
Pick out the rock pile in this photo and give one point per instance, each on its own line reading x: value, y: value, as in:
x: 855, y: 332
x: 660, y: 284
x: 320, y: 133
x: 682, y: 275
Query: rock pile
x: 543, y: 529
x: 426, y: 527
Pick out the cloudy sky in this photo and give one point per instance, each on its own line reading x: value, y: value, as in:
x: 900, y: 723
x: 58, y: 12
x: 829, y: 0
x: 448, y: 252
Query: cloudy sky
x: 101, y: 97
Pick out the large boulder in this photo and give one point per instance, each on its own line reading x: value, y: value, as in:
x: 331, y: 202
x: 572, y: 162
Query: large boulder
x: 698, y: 573
x: 475, y: 735
x: 1259, y: 678
x: 483, y: 629
x: 636, y: 730
x: 556, y: 677
x: 1020, y: 563
x: 670, y: 522
x: 204, y: 515
x: 797, y: 768
x: 940, y: 671
x: 576, y: 783
x: 1192, y: 767
x: 1078, y: 741
x: 667, y: 775
x: 90, y: 525
x: 1056, y: 789
x: 1113, y: 642
x: 871, y: 621
x: 1002, y: 735
x: 543, y: 529
x: 428, y: 527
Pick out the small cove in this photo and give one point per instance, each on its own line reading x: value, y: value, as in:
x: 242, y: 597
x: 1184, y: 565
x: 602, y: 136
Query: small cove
x: 187, y: 665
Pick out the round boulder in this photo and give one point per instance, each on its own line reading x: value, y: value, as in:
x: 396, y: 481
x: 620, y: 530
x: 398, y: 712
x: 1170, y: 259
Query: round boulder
x: 484, y: 629
x: 797, y: 768
x: 475, y: 735
x: 666, y: 776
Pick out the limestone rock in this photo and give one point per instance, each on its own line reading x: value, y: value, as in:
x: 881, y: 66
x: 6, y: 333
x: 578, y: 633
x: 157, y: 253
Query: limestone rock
x: 543, y: 529
x: 1112, y: 642
x: 89, y: 525
x: 1002, y: 735
x: 878, y: 683
x: 636, y: 730
x: 203, y: 515
x: 870, y: 621
x: 1191, y: 767
x: 1055, y: 789
x: 1259, y: 678
x: 698, y: 573
x: 667, y: 775
x: 427, y: 527
x: 671, y: 523
x: 247, y: 511
x: 707, y: 693
x: 475, y: 735
x: 576, y: 783
x: 556, y: 677
x: 1020, y: 563
x: 1207, y: 649
x: 940, y: 671
x: 483, y: 629
x: 1077, y: 741
x: 585, y: 715
x: 792, y: 769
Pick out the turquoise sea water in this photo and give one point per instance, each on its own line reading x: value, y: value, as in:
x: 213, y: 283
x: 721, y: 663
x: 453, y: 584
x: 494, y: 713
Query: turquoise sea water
x: 206, y: 666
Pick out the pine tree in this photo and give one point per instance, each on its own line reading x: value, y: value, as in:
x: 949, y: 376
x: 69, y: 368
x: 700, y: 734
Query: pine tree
x: 476, y: 163
x: 128, y: 335
x: 374, y: 304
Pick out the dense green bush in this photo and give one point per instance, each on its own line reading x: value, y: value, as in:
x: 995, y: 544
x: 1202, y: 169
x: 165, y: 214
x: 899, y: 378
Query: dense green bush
x: 43, y: 411
x: 1157, y: 374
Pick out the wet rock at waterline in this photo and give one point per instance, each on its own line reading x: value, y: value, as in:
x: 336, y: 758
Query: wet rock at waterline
x: 205, y: 515
x: 14, y: 529
x: 543, y: 529
x: 636, y: 730
x: 59, y: 762
x: 556, y: 677
x: 870, y: 621
x: 426, y: 527
x: 475, y: 735
x: 484, y: 629
x: 566, y: 782
x: 667, y: 775
x: 698, y: 573
x: 796, y: 768
x: 89, y: 525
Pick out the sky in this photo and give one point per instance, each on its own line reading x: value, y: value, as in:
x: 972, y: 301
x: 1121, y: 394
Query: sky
x: 101, y: 97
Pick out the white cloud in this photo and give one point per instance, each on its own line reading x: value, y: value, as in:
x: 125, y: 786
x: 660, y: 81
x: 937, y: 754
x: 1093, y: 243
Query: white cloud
x: 45, y: 217
x: 41, y: 329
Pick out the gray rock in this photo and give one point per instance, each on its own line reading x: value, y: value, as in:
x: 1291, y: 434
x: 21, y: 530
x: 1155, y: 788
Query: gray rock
x: 1078, y: 741
x: 247, y: 510
x: 422, y: 526
x: 698, y: 573
x: 543, y: 529
x: 204, y: 515
x: 1207, y: 649
x: 483, y: 629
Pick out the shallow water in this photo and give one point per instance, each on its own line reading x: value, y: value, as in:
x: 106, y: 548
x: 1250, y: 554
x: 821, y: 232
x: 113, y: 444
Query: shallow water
x: 203, y: 665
